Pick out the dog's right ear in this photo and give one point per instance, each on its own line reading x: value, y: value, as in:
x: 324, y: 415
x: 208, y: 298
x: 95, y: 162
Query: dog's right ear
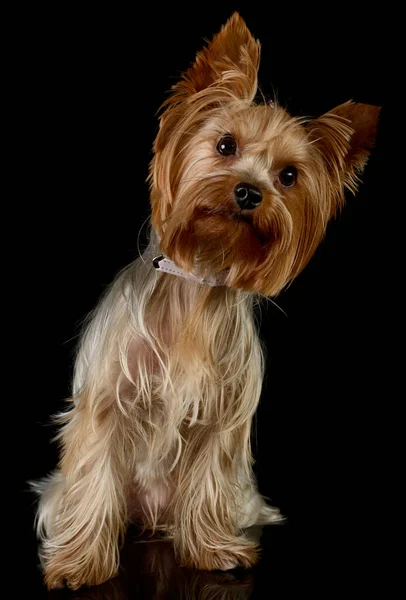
x: 230, y: 61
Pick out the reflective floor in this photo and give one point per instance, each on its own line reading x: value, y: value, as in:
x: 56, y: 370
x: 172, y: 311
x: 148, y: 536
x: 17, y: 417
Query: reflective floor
x: 320, y: 556
x: 148, y: 570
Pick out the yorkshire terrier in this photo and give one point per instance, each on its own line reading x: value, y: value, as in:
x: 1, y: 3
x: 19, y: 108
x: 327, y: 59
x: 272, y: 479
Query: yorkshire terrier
x: 170, y: 365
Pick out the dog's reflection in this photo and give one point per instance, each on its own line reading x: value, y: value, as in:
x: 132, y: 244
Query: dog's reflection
x: 149, y: 570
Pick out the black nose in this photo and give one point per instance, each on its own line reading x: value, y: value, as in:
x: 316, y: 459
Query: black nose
x: 247, y: 196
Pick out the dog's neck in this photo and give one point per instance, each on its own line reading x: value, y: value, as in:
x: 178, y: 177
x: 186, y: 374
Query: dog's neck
x: 209, y: 344
x: 181, y: 302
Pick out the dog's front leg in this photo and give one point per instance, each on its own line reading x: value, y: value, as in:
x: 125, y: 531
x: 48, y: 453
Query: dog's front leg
x: 206, y: 503
x: 83, y: 508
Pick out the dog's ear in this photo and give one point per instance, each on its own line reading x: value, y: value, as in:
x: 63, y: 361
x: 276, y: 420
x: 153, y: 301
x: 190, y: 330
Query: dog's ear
x: 230, y: 62
x: 345, y: 137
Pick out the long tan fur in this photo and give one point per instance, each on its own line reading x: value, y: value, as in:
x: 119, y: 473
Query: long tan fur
x: 169, y: 371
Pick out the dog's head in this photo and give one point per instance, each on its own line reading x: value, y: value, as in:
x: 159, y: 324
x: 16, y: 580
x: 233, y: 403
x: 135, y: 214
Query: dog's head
x: 247, y: 188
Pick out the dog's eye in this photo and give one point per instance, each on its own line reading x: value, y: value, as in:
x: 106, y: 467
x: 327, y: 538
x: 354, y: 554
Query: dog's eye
x: 227, y: 145
x: 288, y: 176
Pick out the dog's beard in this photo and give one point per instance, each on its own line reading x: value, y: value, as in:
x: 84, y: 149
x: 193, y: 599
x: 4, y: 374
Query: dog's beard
x: 207, y: 233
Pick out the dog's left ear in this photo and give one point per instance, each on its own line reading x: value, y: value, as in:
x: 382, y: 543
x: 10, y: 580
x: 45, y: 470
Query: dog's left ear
x: 345, y: 137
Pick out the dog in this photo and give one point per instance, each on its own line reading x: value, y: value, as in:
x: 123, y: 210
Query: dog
x: 169, y: 368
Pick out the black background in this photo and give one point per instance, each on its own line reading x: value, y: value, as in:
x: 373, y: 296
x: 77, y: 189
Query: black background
x: 86, y: 91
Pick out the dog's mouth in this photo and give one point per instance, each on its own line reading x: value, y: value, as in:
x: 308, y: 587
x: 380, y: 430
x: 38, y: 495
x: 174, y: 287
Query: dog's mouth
x: 232, y: 215
x: 244, y: 216
x: 239, y: 216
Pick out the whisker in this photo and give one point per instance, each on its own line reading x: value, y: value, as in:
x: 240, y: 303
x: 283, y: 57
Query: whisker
x: 276, y: 305
x: 138, y: 239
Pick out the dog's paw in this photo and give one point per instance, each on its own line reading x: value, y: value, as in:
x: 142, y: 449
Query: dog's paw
x: 241, y: 554
x: 246, y: 556
x: 58, y: 574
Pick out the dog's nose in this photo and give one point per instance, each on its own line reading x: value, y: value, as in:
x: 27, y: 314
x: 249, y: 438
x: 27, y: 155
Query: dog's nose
x: 247, y: 196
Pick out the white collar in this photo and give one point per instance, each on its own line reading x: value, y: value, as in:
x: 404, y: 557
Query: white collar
x: 166, y: 265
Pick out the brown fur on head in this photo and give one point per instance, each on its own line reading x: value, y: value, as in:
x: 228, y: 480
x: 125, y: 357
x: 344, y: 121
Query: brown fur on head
x: 194, y: 209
